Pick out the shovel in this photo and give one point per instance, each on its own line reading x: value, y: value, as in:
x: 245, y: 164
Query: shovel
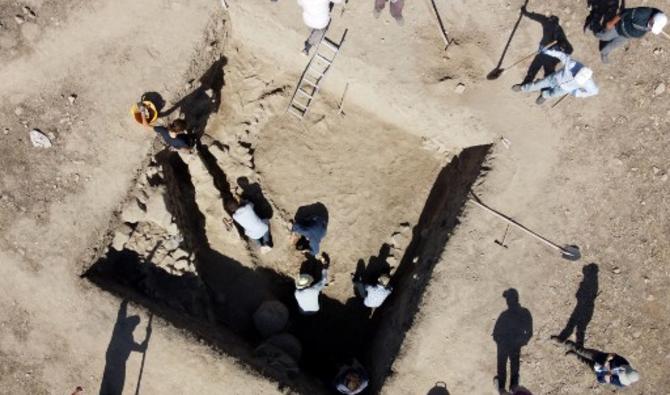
x: 569, y: 252
x: 498, y: 71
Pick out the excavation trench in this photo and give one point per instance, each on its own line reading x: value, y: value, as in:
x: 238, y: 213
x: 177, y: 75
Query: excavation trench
x: 218, y: 303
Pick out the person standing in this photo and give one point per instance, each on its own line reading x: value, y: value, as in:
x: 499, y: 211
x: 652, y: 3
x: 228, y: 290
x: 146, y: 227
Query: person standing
x: 395, y: 8
x: 609, y: 368
x: 631, y: 23
x: 574, y: 79
x: 307, y: 291
x: 373, y: 295
x: 316, y: 15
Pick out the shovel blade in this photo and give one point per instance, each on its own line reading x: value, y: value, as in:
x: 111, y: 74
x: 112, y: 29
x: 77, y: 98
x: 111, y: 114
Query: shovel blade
x: 571, y: 253
x: 495, y: 73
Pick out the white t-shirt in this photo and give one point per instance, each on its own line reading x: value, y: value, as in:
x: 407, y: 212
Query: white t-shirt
x: 376, y: 295
x: 316, y: 13
x: 254, y: 227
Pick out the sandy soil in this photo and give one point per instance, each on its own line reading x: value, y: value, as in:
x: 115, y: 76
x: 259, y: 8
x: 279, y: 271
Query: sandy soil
x: 590, y: 172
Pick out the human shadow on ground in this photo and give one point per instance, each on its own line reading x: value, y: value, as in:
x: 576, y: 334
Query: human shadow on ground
x: 583, y: 312
x: 205, y: 100
x: 512, y: 330
x: 509, y: 41
x: 253, y: 193
x: 120, y: 346
x: 602, y: 11
x: 551, y: 31
x: 377, y: 265
x: 440, y: 388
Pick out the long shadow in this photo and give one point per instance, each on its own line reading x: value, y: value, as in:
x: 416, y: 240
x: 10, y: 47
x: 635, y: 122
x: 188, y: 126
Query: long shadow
x: 551, y: 31
x: 429, y: 238
x: 254, y: 193
x: 218, y: 303
x: 377, y: 265
x: 602, y: 11
x: 204, y: 101
x: 509, y: 40
x: 512, y: 330
x: 120, y: 346
x: 221, y: 182
x: 583, y: 312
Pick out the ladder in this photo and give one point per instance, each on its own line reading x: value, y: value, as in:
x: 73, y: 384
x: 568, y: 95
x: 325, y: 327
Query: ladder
x: 308, y: 85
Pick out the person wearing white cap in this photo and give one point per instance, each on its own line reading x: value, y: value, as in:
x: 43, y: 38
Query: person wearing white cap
x: 632, y: 23
x: 373, y: 295
x: 574, y: 79
x: 307, y: 291
x: 316, y: 15
x: 609, y: 368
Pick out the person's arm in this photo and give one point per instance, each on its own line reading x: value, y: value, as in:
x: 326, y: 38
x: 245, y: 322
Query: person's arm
x: 612, y: 22
x: 589, y: 89
x: 324, y: 280
x: 532, y: 15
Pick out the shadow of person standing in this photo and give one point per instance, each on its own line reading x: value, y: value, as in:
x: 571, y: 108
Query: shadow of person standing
x: 551, y: 31
x: 583, y: 312
x: 119, y: 349
x: 512, y: 330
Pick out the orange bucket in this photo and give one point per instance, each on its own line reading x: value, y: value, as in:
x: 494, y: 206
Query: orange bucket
x: 137, y: 115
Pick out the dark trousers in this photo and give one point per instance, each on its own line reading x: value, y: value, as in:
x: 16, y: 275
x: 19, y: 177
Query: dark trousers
x: 513, y: 354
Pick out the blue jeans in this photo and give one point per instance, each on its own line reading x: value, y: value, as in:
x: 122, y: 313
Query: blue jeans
x: 548, y: 85
x: 613, y: 40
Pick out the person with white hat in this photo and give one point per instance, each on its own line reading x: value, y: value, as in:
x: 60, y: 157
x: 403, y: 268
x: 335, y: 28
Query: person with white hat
x: 631, y: 23
x: 307, y: 291
x: 574, y: 79
x: 316, y: 15
x: 373, y: 295
x: 609, y: 368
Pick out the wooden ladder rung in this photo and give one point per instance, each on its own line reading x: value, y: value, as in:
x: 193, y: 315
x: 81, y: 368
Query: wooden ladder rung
x: 296, y: 111
x: 304, y: 92
x: 323, y: 58
x: 330, y: 45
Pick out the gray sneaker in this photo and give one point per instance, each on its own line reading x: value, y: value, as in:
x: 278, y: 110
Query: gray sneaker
x: 540, y: 100
x: 516, y: 87
x: 604, y: 58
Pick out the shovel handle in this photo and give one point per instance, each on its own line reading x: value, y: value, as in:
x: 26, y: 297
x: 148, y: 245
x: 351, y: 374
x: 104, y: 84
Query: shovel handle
x: 519, y: 226
x: 532, y: 54
x: 666, y: 35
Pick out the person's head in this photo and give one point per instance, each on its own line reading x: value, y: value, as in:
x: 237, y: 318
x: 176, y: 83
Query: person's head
x: 243, y: 182
x: 553, y: 19
x: 512, y: 297
x: 628, y: 376
x: 177, y: 126
x: 132, y: 321
x: 304, y: 281
x: 384, y: 280
x: 583, y: 75
x: 232, y: 205
x: 657, y: 22
x: 352, y: 380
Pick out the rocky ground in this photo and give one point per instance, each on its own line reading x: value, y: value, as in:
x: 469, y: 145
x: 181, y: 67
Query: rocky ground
x: 591, y: 172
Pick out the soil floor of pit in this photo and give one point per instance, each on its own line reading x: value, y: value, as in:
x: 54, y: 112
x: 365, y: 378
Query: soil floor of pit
x: 590, y: 172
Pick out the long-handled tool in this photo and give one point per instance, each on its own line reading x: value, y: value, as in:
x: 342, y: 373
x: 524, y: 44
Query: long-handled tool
x: 666, y: 35
x: 440, y: 24
x: 498, y: 71
x: 559, y: 100
x: 569, y: 252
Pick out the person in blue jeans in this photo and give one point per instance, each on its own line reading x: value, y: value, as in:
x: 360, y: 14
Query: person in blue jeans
x: 632, y: 23
x: 310, y: 231
x: 574, y: 79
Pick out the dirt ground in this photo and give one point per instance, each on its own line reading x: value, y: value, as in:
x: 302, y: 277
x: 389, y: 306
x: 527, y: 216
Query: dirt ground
x: 589, y: 172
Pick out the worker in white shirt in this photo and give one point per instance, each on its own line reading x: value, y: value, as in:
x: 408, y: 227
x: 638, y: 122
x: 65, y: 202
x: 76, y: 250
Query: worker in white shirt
x: 574, y: 79
x: 255, y: 228
x: 307, y: 291
x: 373, y: 295
x: 316, y: 15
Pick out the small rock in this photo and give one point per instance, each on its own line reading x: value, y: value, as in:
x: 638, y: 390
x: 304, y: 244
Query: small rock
x: 18, y: 111
x: 29, y: 12
x: 660, y: 88
x: 637, y: 334
x: 616, y: 270
x: 6, y: 131
x: 460, y: 88
x: 658, y: 51
x: 119, y: 241
x: 656, y: 170
x: 392, y: 261
x: 39, y: 139
x: 72, y: 98
x: 664, y: 178
x: 651, y: 298
x: 19, y: 19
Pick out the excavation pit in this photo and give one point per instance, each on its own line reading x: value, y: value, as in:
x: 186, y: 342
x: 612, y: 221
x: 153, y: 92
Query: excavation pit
x: 391, y: 205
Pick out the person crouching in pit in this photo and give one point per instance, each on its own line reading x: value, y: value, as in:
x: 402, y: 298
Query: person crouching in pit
x: 255, y: 228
